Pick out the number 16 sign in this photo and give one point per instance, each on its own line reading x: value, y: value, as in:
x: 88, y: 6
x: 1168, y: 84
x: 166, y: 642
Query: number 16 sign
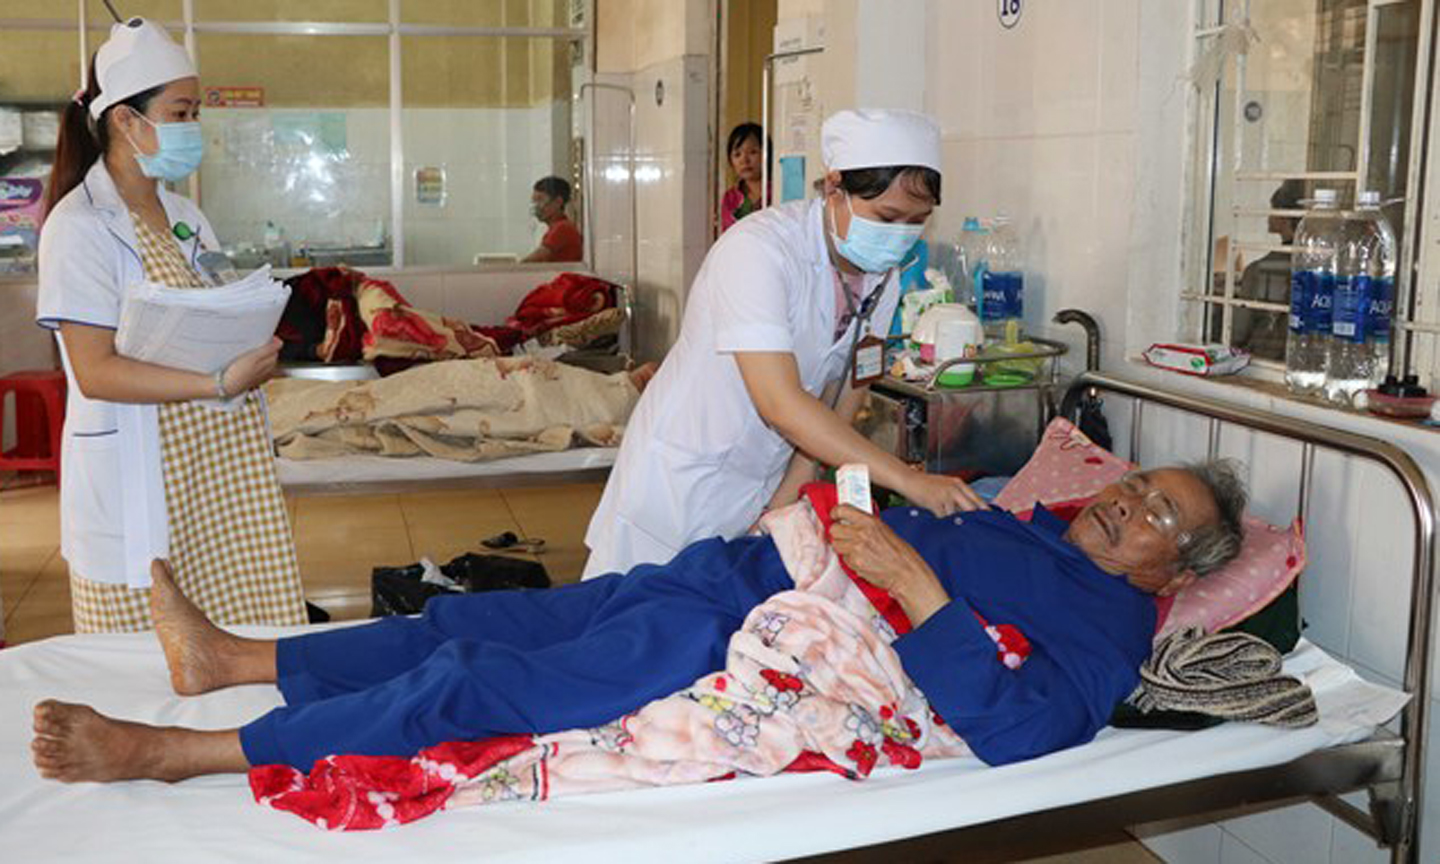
x: 1009, y: 12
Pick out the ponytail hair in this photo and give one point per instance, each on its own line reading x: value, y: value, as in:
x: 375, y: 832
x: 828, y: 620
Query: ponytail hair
x: 82, y: 140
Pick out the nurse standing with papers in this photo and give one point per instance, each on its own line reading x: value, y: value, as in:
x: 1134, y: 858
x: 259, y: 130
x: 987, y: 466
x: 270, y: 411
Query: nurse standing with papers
x: 152, y: 468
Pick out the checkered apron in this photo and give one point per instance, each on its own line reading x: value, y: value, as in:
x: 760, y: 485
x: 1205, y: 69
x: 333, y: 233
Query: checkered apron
x: 230, y: 541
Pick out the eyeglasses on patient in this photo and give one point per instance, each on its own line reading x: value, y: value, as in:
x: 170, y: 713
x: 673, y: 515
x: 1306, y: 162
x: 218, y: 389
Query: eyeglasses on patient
x: 1161, y: 511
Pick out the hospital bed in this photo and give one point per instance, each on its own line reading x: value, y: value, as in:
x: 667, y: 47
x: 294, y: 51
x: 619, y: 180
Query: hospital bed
x: 376, y: 475
x: 1123, y: 777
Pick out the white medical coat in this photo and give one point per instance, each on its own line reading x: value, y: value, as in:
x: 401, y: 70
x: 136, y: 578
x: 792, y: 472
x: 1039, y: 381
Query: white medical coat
x: 697, y: 459
x: 113, y: 520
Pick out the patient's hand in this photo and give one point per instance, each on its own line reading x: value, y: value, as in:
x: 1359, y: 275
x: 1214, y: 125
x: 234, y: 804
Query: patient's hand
x: 878, y: 555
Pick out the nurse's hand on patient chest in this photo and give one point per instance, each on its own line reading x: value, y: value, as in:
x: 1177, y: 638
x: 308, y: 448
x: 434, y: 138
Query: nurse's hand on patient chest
x: 941, y: 495
x: 878, y: 555
x: 252, y: 368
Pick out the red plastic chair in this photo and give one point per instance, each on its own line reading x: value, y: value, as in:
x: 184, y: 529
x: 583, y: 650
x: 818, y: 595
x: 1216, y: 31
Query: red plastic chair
x: 39, y: 419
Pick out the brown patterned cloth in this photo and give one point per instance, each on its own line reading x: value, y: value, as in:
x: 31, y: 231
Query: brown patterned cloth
x: 230, y: 542
x: 464, y: 410
x: 1234, y: 676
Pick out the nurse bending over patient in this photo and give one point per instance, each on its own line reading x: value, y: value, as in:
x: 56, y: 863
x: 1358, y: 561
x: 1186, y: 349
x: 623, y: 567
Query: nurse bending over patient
x: 760, y: 387
x: 149, y: 471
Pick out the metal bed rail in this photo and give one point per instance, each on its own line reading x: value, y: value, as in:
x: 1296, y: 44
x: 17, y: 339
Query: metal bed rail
x: 1388, y: 766
x: 1395, y: 801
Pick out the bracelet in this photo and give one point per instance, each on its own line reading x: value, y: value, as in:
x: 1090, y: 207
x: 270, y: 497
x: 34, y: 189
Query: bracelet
x: 220, y: 385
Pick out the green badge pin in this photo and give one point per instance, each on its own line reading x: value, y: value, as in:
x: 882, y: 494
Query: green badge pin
x: 183, y: 231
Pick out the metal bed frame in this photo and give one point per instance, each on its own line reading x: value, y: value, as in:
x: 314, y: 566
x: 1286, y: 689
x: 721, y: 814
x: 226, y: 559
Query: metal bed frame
x: 1387, y: 766
x: 507, y: 480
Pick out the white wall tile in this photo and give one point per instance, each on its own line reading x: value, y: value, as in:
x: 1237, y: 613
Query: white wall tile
x: 1383, y: 571
x: 1292, y: 835
x: 1430, y: 821
x: 1233, y: 851
x: 1326, y: 586
x: 953, y: 76
x: 1352, y: 847
x: 1008, y: 73
x: 1068, y: 42
x: 1119, y: 63
x: 1197, y: 845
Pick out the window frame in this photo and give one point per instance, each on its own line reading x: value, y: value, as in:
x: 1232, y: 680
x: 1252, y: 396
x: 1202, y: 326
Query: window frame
x: 1206, y: 174
x: 395, y: 29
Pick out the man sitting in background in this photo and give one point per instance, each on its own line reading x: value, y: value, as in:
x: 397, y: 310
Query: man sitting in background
x: 515, y: 662
x: 562, y: 240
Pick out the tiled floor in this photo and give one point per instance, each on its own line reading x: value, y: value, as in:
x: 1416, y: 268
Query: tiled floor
x: 339, y: 539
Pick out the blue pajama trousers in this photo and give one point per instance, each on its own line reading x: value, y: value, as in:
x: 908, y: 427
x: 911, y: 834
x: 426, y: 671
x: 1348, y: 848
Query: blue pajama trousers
x: 511, y: 662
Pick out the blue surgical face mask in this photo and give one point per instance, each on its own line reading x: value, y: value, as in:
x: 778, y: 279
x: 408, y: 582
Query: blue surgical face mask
x: 182, y: 146
x: 875, y: 247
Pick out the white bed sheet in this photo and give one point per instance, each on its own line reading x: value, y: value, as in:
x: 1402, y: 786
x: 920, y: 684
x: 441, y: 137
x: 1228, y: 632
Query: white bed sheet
x: 215, y: 819
x: 373, y: 469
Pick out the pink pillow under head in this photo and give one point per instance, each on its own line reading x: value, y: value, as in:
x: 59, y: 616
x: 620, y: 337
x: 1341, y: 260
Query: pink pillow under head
x: 1068, y: 466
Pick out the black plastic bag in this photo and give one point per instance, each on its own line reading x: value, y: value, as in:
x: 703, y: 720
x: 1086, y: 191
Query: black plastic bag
x: 399, y: 591
x: 495, y: 572
x: 402, y: 591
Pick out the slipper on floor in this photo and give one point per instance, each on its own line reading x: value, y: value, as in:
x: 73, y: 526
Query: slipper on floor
x: 510, y: 540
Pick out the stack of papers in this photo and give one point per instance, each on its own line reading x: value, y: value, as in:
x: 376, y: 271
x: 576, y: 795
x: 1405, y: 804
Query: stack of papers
x: 199, y: 329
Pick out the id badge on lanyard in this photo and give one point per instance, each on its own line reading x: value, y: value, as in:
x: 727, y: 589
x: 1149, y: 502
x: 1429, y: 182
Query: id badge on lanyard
x: 869, y: 365
x: 868, y: 356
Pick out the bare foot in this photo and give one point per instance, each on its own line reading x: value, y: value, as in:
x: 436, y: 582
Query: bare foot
x: 641, y: 375
x: 194, y: 648
x: 75, y: 743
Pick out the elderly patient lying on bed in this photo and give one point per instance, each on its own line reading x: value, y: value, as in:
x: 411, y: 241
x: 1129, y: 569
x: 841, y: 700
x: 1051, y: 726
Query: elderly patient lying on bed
x: 500, y: 663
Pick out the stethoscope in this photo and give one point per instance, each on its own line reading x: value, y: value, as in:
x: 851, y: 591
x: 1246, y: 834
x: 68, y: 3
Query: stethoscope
x: 861, y: 318
x: 213, y: 266
x: 184, y: 233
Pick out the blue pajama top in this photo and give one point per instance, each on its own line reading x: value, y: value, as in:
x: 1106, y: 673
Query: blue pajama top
x: 1089, y: 632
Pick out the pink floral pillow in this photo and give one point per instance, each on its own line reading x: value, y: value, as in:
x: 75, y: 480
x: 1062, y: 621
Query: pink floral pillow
x: 1068, y: 467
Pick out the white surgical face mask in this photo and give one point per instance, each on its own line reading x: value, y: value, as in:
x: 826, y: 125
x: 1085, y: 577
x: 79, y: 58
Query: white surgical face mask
x: 182, y: 148
x: 875, y: 247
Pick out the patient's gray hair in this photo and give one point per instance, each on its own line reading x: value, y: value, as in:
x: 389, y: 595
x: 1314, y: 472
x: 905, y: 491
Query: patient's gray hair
x: 1213, y: 546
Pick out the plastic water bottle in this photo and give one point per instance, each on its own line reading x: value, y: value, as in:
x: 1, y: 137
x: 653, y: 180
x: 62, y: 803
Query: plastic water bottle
x: 1364, y: 301
x: 1003, y: 280
x: 1312, y: 291
x: 971, y: 246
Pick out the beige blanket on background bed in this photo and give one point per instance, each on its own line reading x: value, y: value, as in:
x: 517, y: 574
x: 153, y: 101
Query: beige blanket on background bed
x: 464, y: 410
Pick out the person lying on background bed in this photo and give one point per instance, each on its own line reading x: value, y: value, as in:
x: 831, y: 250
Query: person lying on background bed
x: 481, y: 665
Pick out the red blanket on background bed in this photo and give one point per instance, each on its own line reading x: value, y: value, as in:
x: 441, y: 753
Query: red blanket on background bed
x: 567, y: 298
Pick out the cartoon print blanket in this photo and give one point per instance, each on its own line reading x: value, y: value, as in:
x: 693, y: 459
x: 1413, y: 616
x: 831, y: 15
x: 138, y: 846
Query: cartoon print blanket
x: 810, y: 683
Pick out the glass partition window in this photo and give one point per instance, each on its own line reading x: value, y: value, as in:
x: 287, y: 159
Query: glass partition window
x: 338, y: 134
x: 297, y: 161
x: 1293, y: 96
x: 483, y: 119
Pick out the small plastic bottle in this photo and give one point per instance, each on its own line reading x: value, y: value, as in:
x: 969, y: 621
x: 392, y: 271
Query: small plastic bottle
x: 1002, y: 282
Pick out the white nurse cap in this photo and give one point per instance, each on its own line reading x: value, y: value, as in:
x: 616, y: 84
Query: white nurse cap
x: 876, y: 138
x: 139, y: 55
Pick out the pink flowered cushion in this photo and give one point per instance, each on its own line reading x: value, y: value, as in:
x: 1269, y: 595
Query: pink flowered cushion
x: 1068, y: 466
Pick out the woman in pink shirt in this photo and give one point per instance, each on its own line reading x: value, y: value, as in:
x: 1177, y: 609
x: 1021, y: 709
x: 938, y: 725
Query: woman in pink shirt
x: 745, y: 153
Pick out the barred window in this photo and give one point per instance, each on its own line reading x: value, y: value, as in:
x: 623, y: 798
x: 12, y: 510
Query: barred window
x: 1295, y: 96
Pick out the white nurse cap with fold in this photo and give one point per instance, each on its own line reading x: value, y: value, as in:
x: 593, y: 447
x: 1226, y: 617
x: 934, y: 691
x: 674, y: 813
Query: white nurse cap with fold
x: 876, y: 138
x: 139, y: 55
